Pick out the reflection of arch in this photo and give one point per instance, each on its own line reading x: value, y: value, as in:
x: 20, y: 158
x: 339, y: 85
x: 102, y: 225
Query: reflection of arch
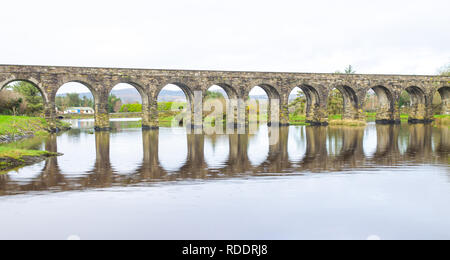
x: 419, y: 146
x: 30, y: 80
x: 316, y: 155
x: 352, y: 146
x: 441, y: 138
x: 278, y: 156
x: 216, y: 151
x: 387, y: 151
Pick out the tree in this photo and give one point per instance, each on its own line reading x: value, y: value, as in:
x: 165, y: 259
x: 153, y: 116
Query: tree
x: 335, y: 102
x: 73, y: 100
x: 87, y: 102
x: 349, y: 70
x: 131, y: 108
x: 299, y: 104
x: 213, y: 95
x: 32, y: 95
x: 113, y: 102
x: 11, y: 103
x: 404, y: 100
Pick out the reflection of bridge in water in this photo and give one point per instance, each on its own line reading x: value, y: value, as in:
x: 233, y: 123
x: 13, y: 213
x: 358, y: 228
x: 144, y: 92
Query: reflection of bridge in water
x: 328, y: 149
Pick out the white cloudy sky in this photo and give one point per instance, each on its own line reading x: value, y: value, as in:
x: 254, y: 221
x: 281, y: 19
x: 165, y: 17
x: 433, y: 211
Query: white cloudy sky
x: 407, y: 37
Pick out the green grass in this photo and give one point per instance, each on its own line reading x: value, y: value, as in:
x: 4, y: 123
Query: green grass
x: 442, y: 120
x: 14, y: 154
x: 18, y: 154
x: 23, y: 125
x: 335, y: 117
x: 340, y: 122
x: 14, y: 125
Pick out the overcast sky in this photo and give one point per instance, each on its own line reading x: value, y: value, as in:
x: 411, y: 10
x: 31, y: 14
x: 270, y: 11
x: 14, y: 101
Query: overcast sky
x: 404, y: 37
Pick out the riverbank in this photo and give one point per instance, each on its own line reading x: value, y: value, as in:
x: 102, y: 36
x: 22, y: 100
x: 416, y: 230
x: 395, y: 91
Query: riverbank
x: 11, y: 158
x: 15, y: 128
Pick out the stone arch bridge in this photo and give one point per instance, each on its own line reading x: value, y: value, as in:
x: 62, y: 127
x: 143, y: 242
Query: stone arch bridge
x: 237, y: 85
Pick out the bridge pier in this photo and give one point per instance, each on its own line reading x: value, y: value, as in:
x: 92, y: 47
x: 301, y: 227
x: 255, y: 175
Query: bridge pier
x: 278, y: 113
x: 284, y: 114
x: 419, y: 114
x: 353, y: 113
x: 316, y: 115
x: 386, y: 115
x: 50, y: 117
x: 150, y: 119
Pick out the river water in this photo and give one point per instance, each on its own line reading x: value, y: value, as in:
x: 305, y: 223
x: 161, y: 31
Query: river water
x: 377, y: 182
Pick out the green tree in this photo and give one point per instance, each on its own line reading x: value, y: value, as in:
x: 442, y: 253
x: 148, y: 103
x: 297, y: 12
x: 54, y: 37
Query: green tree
x: 349, y: 70
x: 213, y: 95
x: 404, y: 100
x: 299, y: 104
x: 131, y: 108
x: 87, y: 102
x: 112, y: 103
x: 335, y: 102
x: 10, y: 103
x: 33, y: 97
x: 73, y: 100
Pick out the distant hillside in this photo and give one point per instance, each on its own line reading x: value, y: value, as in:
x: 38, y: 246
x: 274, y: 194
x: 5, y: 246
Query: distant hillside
x: 132, y: 96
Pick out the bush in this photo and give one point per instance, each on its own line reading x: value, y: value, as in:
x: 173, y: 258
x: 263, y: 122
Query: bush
x: 133, y: 108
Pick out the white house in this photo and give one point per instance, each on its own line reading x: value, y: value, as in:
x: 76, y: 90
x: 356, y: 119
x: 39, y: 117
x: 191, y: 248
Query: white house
x: 79, y: 110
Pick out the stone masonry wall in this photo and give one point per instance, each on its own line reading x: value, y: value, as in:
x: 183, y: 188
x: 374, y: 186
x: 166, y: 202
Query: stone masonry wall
x: 278, y: 85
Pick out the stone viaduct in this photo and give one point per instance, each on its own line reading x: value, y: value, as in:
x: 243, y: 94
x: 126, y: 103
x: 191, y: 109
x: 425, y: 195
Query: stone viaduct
x: 237, y: 85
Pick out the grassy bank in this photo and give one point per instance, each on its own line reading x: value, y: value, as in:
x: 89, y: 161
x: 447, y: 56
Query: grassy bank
x: 11, y: 158
x: 12, y: 128
x: 25, y: 126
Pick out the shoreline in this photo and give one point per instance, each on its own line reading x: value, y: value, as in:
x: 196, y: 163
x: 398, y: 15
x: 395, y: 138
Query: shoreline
x: 20, y: 128
x: 9, y: 163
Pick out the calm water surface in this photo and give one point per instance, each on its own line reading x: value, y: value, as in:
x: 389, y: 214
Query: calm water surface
x: 391, y: 182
